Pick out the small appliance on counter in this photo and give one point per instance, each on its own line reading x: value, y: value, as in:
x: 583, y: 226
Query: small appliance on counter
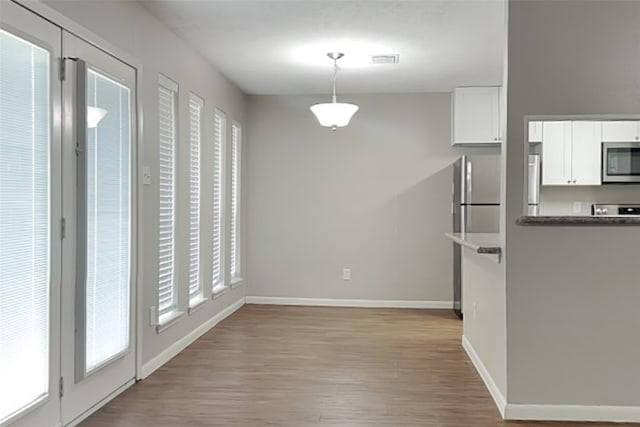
x: 476, y: 207
x: 615, y: 210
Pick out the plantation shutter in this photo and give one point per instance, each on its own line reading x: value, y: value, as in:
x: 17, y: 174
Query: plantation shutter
x: 167, y: 299
x: 234, y: 262
x: 195, y: 134
x: 218, y: 144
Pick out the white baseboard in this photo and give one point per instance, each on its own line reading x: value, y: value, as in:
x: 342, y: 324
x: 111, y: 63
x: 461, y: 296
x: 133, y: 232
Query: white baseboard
x: 516, y: 411
x: 168, y: 354
x: 371, y: 303
x: 495, y: 392
x: 618, y: 414
x: 100, y: 404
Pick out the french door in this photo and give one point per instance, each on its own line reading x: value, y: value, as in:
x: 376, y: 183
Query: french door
x: 98, y: 333
x: 67, y: 138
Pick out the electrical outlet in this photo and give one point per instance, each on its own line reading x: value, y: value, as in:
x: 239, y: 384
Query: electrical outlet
x: 577, y: 207
x: 346, y: 274
x: 475, y: 310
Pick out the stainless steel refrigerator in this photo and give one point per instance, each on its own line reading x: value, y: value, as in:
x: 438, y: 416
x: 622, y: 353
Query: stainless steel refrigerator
x: 476, y: 207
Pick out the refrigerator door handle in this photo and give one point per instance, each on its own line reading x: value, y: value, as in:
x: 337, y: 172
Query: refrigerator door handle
x: 469, y: 181
x: 464, y: 180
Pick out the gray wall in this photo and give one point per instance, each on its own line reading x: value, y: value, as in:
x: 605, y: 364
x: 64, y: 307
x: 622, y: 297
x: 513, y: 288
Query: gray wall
x: 374, y: 197
x: 572, y: 292
x: 129, y: 27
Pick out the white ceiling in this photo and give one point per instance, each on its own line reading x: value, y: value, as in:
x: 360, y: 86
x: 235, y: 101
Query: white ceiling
x: 279, y: 46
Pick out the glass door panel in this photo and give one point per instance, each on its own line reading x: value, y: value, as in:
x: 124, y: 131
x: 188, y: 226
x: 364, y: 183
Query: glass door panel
x: 108, y: 217
x: 24, y: 222
x: 29, y: 212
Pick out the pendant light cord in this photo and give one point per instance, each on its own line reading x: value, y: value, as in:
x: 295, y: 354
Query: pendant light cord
x: 335, y: 74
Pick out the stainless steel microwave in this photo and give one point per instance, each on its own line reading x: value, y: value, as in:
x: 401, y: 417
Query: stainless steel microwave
x: 620, y: 162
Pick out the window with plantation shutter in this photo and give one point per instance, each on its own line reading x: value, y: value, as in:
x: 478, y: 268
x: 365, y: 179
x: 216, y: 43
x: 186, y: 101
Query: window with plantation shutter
x: 196, y: 105
x: 236, y: 156
x: 167, y: 295
x: 218, y: 145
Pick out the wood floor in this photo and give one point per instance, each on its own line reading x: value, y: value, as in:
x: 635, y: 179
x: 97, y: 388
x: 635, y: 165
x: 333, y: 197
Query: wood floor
x: 317, y: 367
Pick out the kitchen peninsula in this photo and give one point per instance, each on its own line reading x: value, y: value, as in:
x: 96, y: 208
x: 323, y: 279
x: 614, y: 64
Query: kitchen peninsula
x: 484, y: 307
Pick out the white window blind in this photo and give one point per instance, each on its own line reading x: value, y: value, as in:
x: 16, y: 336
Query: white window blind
x: 195, y: 134
x: 236, y: 147
x: 108, y: 215
x: 167, y: 296
x: 218, y: 144
x: 24, y: 223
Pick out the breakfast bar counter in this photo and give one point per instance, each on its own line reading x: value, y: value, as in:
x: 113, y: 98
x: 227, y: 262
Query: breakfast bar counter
x: 482, y: 243
x: 579, y: 220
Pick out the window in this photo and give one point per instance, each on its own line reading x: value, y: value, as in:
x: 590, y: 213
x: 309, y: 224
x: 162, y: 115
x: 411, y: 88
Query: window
x: 167, y: 295
x: 220, y: 123
x: 196, y: 105
x: 236, y: 160
x: 24, y: 223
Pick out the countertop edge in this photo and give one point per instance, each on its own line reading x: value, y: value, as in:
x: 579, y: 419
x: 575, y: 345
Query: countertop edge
x: 577, y: 220
x: 481, y: 249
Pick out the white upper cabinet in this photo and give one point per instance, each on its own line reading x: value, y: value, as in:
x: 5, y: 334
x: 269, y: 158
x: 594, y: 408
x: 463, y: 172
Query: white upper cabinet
x: 556, y: 153
x: 586, y: 153
x: 535, y: 131
x: 571, y: 153
x: 621, y: 131
x: 476, y: 115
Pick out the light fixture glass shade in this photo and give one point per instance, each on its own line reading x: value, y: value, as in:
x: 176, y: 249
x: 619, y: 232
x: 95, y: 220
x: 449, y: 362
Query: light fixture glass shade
x: 334, y: 114
x: 94, y: 116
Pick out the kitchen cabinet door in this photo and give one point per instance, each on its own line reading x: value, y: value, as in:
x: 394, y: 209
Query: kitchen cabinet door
x: 586, y: 153
x: 556, y: 153
x: 620, y: 131
x: 476, y: 115
x: 535, y: 131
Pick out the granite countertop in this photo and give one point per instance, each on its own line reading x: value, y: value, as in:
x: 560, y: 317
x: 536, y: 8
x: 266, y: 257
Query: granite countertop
x: 482, y: 243
x: 578, y: 220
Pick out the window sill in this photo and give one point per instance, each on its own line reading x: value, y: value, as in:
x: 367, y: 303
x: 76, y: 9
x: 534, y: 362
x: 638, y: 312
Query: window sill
x: 218, y: 291
x: 196, y: 303
x: 238, y: 281
x: 168, y: 320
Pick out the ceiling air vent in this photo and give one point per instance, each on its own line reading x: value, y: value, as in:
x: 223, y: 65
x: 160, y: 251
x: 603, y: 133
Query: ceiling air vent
x: 385, y: 59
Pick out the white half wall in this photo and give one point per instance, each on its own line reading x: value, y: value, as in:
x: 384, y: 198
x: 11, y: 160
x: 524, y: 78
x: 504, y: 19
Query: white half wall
x: 485, y: 320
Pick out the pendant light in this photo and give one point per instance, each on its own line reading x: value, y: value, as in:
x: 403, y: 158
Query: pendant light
x: 334, y: 114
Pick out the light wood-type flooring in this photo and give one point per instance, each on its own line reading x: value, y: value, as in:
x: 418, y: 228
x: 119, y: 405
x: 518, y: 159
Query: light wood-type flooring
x: 316, y: 367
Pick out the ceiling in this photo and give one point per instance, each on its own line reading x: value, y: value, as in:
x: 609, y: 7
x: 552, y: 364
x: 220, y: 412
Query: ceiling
x: 280, y: 46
